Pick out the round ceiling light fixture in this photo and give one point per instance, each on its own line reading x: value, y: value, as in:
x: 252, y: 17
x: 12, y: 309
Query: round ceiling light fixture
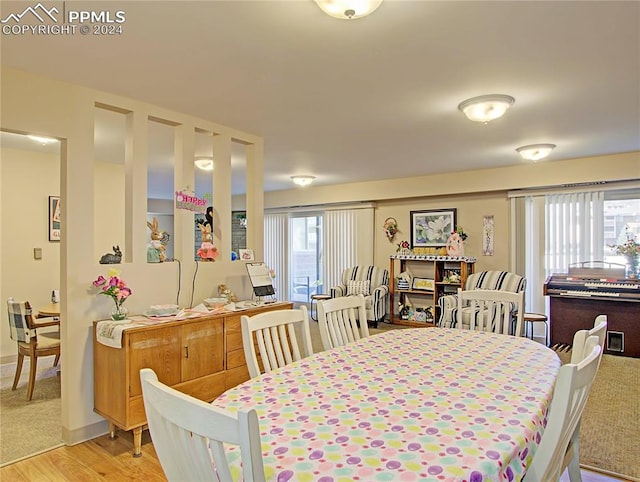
x: 535, y: 152
x: 348, y: 9
x: 302, y: 180
x: 485, y: 108
x: 204, y: 163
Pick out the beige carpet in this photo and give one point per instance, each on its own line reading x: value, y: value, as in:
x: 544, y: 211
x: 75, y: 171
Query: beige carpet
x: 28, y: 428
x: 610, y: 429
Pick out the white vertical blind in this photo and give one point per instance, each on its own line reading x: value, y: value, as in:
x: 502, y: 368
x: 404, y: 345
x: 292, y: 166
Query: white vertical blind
x: 276, y: 242
x: 340, y: 244
x: 574, y: 225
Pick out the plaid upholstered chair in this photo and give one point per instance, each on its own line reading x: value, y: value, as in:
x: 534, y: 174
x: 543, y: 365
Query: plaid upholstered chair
x: 484, y: 280
x: 23, y: 328
x: 371, y: 282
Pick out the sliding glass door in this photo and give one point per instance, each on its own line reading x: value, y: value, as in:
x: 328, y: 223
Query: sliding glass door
x: 305, y: 256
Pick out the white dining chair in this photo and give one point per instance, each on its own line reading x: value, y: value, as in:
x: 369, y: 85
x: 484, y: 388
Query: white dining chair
x: 495, y: 311
x: 579, y: 339
x: 189, y: 435
x: 569, y: 399
x: 274, y: 334
x: 342, y: 320
x: 578, y: 351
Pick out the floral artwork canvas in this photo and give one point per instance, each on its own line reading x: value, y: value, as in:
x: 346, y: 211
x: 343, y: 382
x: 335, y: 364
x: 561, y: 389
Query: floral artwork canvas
x: 432, y: 228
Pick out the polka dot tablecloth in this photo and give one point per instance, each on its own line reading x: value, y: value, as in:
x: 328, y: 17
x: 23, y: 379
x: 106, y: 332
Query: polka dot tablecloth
x: 406, y: 405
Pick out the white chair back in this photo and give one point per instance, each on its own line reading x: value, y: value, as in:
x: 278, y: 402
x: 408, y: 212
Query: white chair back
x: 569, y: 398
x: 578, y: 351
x: 579, y: 339
x: 338, y: 320
x: 492, y: 310
x: 188, y: 434
x: 274, y: 333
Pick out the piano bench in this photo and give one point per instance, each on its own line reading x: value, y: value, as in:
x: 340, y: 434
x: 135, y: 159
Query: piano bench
x: 532, y: 318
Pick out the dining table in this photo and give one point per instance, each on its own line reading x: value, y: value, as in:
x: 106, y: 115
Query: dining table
x: 428, y: 404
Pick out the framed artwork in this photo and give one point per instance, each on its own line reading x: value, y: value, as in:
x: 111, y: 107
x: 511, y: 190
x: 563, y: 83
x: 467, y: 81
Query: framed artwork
x: 422, y: 284
x: 432, y: 228
x: 54, y: 218
x: 246, y: 254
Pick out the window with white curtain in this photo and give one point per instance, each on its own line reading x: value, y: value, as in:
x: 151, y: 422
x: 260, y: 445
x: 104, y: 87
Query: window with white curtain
x: 310, y: 248
x: 554, y: 230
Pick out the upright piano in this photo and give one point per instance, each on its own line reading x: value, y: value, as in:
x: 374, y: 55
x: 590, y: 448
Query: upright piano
x: 586, y: 291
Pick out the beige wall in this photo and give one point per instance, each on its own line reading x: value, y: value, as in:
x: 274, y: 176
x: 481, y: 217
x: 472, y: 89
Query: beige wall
x: 470, y: 211
x: 28, y: 179
x: 36, y: 105
x: 109, y: 210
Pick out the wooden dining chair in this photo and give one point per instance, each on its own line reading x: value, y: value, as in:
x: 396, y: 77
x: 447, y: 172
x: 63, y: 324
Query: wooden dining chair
x: 274, y: 334
x: 569, y: 399
x: 342, y: 320
x: 578, y: 351
x: 23, y: 330
x: 189, y: 435
x: 496, y: 311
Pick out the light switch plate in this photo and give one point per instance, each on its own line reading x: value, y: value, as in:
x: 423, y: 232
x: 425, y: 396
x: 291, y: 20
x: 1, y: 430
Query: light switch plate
x: 37, y: 253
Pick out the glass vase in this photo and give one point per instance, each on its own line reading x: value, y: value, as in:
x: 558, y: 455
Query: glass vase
x: 632, y: 267
x: 119, y: 313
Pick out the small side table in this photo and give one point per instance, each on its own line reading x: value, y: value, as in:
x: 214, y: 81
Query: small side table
x: 52, y: 309
x: 316, y: 298
x: 532, y: 318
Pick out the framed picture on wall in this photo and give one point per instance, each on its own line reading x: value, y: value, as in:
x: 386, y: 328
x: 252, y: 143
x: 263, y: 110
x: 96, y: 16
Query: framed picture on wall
x: 54, y: 218
x: 432, y: 228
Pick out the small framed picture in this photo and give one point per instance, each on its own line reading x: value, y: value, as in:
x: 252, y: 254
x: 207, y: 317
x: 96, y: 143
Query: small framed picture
x: 54, y: 218
x: 423, y: 284
x: 432, y: 228
x: 246, y: 255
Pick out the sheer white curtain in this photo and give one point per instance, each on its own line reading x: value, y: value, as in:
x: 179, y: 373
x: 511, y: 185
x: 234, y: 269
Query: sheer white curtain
x: 276, y: 241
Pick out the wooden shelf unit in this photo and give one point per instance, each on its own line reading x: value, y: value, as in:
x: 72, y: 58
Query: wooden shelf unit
x: 202, y: 357
x: 436, y: 268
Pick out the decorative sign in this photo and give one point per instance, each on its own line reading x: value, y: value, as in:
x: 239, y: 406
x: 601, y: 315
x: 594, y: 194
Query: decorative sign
x: 190, y: 202
x: 487, y: 235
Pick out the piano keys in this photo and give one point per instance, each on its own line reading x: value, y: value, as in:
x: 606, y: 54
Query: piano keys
x: 576, y: 298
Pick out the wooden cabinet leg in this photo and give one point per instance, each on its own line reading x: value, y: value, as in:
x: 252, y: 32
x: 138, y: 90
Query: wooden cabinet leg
x: 112, y: 431
x: 137, y: 442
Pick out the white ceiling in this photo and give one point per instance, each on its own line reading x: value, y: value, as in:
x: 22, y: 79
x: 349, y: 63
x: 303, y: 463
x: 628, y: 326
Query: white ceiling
x: 373, y: 98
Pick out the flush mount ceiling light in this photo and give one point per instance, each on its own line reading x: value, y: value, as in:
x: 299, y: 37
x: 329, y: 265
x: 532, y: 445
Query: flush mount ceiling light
x: 348, y: 9
x: 43, y: 140
x: 535, y: 152
x: 303, y: 180
x: 204, y: 163
x: 485, y: 108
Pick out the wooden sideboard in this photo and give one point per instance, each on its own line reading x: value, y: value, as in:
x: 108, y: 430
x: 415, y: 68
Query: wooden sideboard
x: 202, y: 357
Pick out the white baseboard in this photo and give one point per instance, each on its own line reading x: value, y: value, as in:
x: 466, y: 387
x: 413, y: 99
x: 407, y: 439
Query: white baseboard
x: 82, y: 434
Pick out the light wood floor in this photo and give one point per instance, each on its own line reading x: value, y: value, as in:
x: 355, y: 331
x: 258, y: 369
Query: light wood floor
x: 106, y: 459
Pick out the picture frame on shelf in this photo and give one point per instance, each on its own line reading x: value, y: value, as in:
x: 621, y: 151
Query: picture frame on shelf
x: 423, y: 284
x: 247, y: 255
x: 432, y: 228
x: 54, y: 218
